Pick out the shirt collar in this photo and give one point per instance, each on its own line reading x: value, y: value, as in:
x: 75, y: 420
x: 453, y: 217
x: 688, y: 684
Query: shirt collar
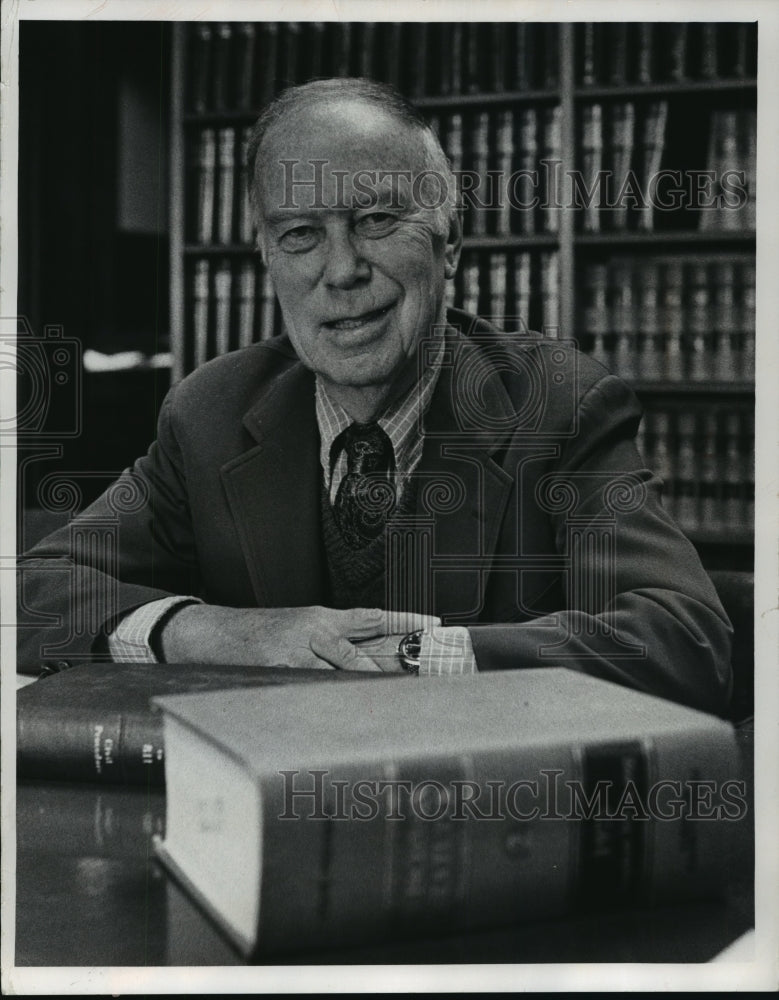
x: 401, y: 421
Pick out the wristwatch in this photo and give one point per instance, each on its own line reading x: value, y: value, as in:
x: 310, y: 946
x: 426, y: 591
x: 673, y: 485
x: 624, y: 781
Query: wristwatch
x: 409, y: 648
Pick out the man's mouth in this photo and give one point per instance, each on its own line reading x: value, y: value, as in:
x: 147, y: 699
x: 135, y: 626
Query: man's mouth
x: 355, y: 322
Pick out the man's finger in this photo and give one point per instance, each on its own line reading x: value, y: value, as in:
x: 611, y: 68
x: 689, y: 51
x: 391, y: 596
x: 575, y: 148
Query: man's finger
x: 340, y: 653
x: 365, y: 623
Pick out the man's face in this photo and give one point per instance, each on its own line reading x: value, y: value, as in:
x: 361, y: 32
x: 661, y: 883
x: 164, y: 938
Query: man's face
x: 359, y: 282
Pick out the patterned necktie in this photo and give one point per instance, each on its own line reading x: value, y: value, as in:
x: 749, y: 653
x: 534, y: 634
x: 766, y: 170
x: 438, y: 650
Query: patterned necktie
x: 366, y: 495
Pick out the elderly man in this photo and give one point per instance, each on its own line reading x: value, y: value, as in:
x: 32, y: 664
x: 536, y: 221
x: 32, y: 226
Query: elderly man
x: 387, y: 485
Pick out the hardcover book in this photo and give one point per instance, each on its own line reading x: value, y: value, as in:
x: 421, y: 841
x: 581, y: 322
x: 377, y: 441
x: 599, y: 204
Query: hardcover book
x: 332, y: 815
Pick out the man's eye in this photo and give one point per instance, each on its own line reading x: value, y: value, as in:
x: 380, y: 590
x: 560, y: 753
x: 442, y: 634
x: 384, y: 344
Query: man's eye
x: 299, y: 239
x: 375, y: 224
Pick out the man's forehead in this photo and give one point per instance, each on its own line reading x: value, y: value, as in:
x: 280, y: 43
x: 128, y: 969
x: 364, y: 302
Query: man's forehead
x: 349, y: 135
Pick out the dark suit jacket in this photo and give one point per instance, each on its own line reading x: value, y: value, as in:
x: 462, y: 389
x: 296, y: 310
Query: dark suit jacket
x: 538, y: 526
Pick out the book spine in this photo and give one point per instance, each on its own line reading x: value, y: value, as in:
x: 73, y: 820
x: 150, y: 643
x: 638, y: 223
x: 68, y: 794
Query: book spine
x: 393, y: 53
x: 672, y: 321
x: 473, y: 80
x: 267, y: 308
x: 527, y: 165
x: 498, y: 49
x: 685, y: 486
x: 709, y: 58
x: 550, y: 294
x: 226, y: 185
x: 269, y: 53
x: 698, y: 322
x: 206, y: 168
x: 498, y: 272
x: 595, y: 319
x: 711, y: 509
x: 505, y: 149
x: 589, y: 61
x: 748, y: 143
x: 89, y: 820
x: 246, y: 295
x: 725, y: 322
x: 747, y: 320
x: 560, y: 840
x: 291, y: 60
x: 618, y: 53
x: 471, y: 285
x: 456, y: 59
x: 200, y: 68
x: 644, y: 61
x: 652, y: 146
x: 551, y: 48
x: 522, y: 285
x: 245, y: 223
x: 420, y: 58
x: 200, y: 299
x: 315, y: 34
x: 592, y: 154
x: 479, y: 165
x: 622, y: 126
x: 223, y: 280
x: 523, y: 77
x: 650, y: 335
x: 677, y: 52
x: 622, y: 318
x: 106, y: 746
x: 222, y: 60
x: 453, y: 142
x: 366, y: 55
x: 550, y: 165
x: 246, y: 42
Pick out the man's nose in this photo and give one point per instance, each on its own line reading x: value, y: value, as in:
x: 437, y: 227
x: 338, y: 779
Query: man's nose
x: 345, y: 265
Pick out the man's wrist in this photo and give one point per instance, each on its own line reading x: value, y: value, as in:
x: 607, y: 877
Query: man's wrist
x: 446, y: 651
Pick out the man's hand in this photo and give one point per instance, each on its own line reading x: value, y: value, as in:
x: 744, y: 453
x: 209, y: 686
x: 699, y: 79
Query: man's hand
x: 295, y: 637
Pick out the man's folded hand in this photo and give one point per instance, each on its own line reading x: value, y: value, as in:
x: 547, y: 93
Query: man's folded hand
x: 312, y: 637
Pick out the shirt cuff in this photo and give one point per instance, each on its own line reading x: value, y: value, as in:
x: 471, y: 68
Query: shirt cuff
x: 131, y: 640
x: 445, y: 651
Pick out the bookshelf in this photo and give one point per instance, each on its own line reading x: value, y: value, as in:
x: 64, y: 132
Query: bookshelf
x: 635, y: 234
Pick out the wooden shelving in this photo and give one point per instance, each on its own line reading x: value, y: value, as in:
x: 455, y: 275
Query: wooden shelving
x: 541, y: 263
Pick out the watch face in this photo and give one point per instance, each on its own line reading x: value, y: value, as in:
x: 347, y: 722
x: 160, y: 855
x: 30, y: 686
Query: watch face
x: 409, y: 648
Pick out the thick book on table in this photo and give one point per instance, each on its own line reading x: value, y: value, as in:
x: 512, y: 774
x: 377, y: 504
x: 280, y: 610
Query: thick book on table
x: 95, y: 722
x: 324, y: 817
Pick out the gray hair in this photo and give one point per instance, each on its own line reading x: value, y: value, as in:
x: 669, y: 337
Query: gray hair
x: 371, y: 92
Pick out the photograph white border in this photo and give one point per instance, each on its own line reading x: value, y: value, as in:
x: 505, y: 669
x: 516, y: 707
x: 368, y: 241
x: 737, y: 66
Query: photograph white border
x: 758, y: 973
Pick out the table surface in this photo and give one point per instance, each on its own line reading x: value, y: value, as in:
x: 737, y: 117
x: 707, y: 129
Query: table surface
x: 90, y: 893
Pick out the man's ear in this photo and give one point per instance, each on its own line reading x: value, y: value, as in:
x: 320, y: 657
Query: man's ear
x: 454, y: 244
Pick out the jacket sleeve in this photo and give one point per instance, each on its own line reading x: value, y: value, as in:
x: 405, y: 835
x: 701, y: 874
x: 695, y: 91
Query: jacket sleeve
x: 639, y: 609
x: 133, y: 545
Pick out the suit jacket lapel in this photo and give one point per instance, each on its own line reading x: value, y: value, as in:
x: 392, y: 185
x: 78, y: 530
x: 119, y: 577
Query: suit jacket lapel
x: 273, y: 491
x: 460, y: 442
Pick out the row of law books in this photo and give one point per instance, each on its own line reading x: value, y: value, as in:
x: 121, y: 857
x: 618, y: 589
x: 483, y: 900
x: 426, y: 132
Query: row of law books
x: 620, y: 53
x: 218, y: 188
x: 240, y: 66
x: 508, y: 167
x: 232, y: 304
x: 515, y: 291
x: 670, y: 319
x: 706, y: 462
x: 620, y: 185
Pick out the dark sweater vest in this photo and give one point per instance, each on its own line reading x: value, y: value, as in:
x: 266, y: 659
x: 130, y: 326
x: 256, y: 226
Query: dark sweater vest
x: 357, y: 578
